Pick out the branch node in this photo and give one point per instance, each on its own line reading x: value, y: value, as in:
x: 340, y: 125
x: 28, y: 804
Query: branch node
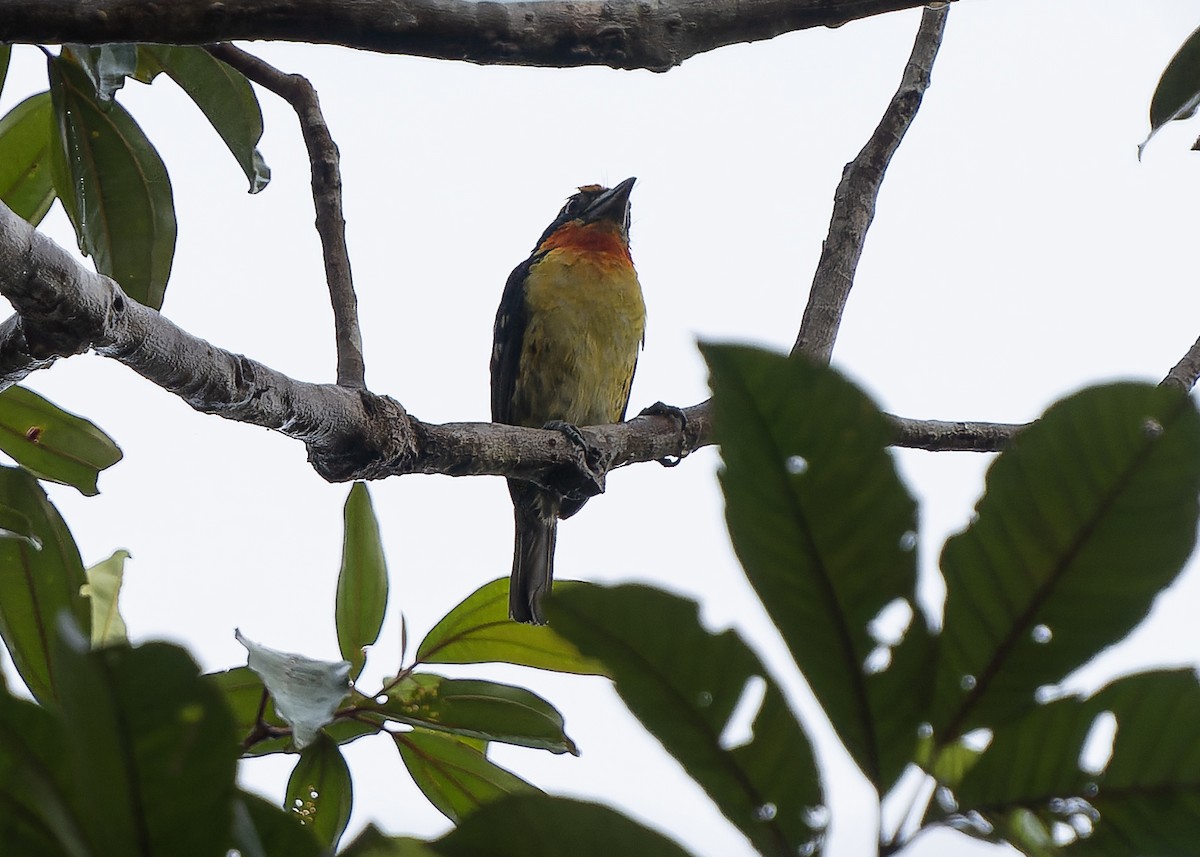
x: 297, y: 91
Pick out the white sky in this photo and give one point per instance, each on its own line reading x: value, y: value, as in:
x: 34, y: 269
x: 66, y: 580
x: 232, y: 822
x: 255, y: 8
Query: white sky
x: 1020, y: 252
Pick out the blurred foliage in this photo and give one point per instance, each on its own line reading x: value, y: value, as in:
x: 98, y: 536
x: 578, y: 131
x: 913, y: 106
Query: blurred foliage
x: 1086, y: 518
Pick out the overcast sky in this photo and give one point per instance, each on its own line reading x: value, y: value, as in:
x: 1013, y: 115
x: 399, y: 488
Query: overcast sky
x: 1019, y: 253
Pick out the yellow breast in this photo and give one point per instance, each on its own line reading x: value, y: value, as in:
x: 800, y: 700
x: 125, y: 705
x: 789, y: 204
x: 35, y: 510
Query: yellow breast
x: 586, y: 321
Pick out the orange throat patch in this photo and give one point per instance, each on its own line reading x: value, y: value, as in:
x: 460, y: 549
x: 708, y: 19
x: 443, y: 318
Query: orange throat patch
x: 600, y: 237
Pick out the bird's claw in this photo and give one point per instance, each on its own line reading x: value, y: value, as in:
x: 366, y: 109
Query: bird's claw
x: 591, y: 455
x: 661, y: 409
x: 571, y: 431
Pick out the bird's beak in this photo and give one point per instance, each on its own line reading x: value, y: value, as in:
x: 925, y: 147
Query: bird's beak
x: 613, y: 204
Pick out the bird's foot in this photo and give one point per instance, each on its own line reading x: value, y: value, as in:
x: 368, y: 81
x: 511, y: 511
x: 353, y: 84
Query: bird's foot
x: 591, y: 455
x: 661, y: 409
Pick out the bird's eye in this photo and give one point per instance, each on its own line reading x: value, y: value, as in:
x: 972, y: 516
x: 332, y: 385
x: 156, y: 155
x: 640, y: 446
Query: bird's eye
x: 573, y: 206
x: 578, y: 203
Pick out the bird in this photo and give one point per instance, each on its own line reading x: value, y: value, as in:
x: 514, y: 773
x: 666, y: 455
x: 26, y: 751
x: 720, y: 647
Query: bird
x: 568, y: 330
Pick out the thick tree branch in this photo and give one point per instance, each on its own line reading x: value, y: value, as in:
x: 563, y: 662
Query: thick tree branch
x: 648, y: 34
x: 327, y: 199
x: 64, y: 309
x: 856, y: 195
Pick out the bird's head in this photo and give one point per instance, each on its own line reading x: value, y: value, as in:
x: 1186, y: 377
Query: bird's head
x: 594, y: 213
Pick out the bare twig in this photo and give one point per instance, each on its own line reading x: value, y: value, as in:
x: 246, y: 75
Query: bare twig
x: 856, y: 195
x: 939, y: 436
x: 942, y: 436
x: 262, y: 730
x: 1183, y: 375
x: 650, y: 34
x: 327, y: 199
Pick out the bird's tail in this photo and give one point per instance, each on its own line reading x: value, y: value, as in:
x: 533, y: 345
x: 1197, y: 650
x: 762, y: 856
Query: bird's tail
x: 533, y: 563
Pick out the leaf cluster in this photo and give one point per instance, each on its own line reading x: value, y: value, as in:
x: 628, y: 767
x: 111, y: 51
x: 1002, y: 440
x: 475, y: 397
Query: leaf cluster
x: 1084, y: 521
x: 76, y: 143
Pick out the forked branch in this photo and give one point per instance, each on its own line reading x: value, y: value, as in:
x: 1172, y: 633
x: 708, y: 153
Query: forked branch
x: 327, y: 200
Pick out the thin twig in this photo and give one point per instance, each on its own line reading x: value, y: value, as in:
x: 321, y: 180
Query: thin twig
x: 262, y: 730
x: 943, y: 436
x: 327, y: 199
x: 856, y: 195
x: 650, y: 34
x: 1183, y: 375
x: 262, y: 706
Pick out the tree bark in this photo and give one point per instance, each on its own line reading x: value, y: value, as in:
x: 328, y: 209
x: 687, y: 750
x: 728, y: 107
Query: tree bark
x: 631, y: 34
x: 858, y: 192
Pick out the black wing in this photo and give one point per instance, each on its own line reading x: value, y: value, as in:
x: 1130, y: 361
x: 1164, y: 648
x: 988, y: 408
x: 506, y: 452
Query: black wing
x: 507, y: 339
x: 628, y: 390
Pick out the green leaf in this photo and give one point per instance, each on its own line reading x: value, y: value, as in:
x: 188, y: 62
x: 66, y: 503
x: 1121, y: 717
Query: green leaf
x: 39, y: 817
x: 1084, y: 520
x: 36, y: 585
x: 306, y: 692
x: 52, y: 443
x: 106, y: 66
x: 362, y: 589
x: 1030, y: 760
x: 372, y: 843
x: 1149, y: 795
x: 826, y: 533
x: 5, y: 56
x: 1030, y: 782
x: 456, y: 776
x: 1178, y: 92
x: 478, y: 630
x: 320, y: 791
x: 113, y: 186
x: 102, y: 589
x: 222, y: 93
x: 262, y: 829
x: 476, y: 709
x: 151, y: 746
x: 684, y: 684
x: 948, y: 765
x: 544, y: 826
x: 16, y: 525
x: 26, y: 179
x: 345, y: 730
x: 242, y: 690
